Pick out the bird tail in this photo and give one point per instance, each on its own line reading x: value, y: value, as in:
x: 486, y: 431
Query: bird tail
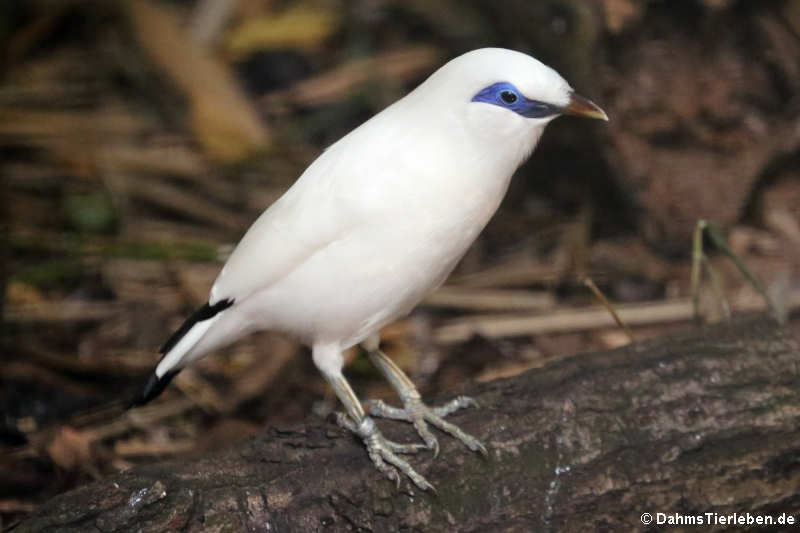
x: 176, y: 348
x: 152, y: 388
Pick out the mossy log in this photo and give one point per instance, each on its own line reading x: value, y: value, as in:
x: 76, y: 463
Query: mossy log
x: 703, y: 421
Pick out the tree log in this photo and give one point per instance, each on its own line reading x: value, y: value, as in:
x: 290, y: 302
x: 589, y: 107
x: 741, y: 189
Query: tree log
x: 703, y: 421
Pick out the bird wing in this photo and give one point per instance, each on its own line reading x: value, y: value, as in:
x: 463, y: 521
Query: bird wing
x: 311, y: 215
x: 341, y: 190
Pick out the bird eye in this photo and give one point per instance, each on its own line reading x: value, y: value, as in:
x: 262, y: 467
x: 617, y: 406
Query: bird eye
x: 508, y: 97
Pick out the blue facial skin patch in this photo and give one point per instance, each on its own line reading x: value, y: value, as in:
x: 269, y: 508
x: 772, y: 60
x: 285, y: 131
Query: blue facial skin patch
x: 504, y: 94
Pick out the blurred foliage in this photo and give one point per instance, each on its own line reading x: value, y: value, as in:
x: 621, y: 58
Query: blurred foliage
x: 299, y: 27
x: 91, y: 212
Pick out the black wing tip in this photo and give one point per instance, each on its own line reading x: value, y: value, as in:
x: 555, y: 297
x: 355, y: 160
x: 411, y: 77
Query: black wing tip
x: 203, y: 313
x: 152, y: 388
x: 155, y: 385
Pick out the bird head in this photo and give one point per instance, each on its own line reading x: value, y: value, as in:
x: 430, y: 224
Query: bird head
x: 504, y: 97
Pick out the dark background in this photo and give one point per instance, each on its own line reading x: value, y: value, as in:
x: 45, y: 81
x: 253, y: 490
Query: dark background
x: 140, y: 139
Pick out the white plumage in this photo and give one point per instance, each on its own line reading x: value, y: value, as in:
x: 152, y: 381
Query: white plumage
x: 383, y: 216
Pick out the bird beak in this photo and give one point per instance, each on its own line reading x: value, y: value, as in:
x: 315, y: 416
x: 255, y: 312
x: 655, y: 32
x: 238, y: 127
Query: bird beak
x: 583, y: 107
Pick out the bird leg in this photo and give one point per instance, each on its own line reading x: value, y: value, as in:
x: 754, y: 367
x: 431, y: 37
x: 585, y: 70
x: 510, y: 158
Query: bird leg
x: 415, y: 411
x: 382, y: 451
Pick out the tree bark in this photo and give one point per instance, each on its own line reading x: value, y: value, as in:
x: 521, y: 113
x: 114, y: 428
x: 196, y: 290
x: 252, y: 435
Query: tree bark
x: 703, y: 421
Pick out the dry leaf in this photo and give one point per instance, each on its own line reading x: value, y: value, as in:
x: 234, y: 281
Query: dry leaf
x: 621, y: 13
x: 301, y: 26
x: 18, y: 293
x: 222, y: 118
x: 70, y: 448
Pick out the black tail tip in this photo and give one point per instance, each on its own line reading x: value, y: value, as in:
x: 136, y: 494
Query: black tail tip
x: 152, y: 388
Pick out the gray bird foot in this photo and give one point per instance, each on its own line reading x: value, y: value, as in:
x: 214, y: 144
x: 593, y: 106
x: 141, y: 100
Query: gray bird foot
x: 383, y: 452
x: 419, y: 414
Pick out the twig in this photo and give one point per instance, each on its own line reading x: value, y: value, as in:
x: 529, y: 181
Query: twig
x: 200, y: 391
x: 718, y: 288
x: 722, y: 244
x: 697, y: 260
x: 16, y: 506
x: 144, y: 417
x: 179, y: 200
x: 517, y: 271
x: 109, y: 364
x: 462, y: 329
x: 332, y: 86
x: 208, y: 19
x: 167, y: 248
x: 488, y: 299
x: 53, y: 312
x: 138, y: 448
x: 706, y: 227
x: 610, y: 308
x: 639, y: 314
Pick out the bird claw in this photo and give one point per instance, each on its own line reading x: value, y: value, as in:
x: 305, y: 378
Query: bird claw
x: 383, y: 452
x: 419, y: 414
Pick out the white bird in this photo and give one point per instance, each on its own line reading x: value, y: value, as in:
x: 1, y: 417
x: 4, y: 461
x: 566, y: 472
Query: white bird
x: 376, y: 222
